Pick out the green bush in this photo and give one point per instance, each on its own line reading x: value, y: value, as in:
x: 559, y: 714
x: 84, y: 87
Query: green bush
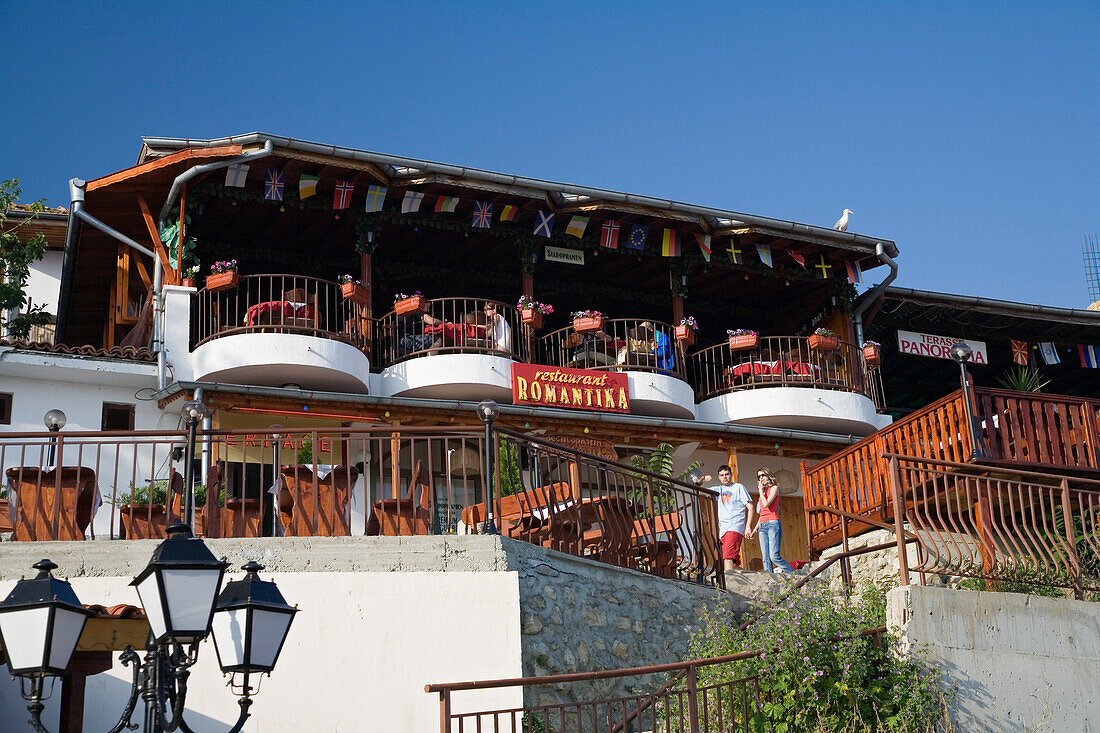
x: 810, y: 682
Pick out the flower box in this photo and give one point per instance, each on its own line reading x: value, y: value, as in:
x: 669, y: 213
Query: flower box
x: 588, y: 324
x: 188, y: 282
x: 531, y: 317
x: 685, y: 334
x: 872, y: 355
x: 415, y: 304
x: 217, y: 281
x: 744, y: 342
x: 354, y: 292
x: 824, y: 343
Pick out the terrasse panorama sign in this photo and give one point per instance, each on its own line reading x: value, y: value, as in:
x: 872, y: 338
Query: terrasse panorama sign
x: 580, y: 389
x: 926, y: 344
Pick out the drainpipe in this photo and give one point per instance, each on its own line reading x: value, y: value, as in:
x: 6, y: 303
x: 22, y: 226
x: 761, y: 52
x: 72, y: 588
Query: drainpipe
x: 873, y: 294
x: 76, y: 197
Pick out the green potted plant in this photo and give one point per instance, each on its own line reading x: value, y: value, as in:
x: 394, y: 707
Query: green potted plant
x: 189, y: 276
x: 823, y: 339
x: 531, y: 311
x: 685, y: 331
x: 142, y: 510
x: 404, y: 305
x: 223, y: 276
x: 587, y: 321
x: 742, y: 339
x: 353, y: 290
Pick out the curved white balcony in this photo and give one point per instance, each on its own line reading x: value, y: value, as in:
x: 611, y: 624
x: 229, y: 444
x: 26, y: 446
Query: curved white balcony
x: 277, y: 359
x: 795, y: 408
x: 450, y: 376
x: 660, y: 395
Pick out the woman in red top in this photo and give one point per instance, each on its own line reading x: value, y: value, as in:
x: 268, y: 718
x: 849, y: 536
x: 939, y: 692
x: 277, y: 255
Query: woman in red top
x: 767, y: 527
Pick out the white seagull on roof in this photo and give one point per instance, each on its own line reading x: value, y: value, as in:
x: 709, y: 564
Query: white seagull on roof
x: 842, y: 223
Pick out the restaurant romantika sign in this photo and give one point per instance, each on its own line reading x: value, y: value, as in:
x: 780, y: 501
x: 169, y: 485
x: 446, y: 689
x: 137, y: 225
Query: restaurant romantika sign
x: 926, y: 344
x: 582, y: 389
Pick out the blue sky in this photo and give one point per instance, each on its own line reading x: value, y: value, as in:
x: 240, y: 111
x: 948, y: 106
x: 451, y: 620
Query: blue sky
x: 968, y: 133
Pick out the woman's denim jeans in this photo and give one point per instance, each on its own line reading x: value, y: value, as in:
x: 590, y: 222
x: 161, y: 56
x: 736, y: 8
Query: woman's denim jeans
x: 770, y: 535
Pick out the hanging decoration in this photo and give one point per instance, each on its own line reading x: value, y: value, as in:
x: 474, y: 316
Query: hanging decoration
x: 483, y: 215
x: 855, y: 275
x: 376, y: 196
x: 704, y: 245
x: 411, y: 202
x: 273, y: 184
x: 1019, y: 352
x: 609, y: 234
x: 764, y: 251
x: 822, y: 269
x: 235, y: 175
x: 509, y: 213
x: 307, y: 186
x: 545, y: 224
x: 797, y: 257
x: 734, y: 250
x: 670, y: 243
x: 576, y: 227
x: 638, y: 233
x: 341, y: 196
x: 1090, y: 356
x: 446, y: 205
x: 1049, y: 353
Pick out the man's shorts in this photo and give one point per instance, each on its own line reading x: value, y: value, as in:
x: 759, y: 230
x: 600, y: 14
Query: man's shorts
x: 731, y: 546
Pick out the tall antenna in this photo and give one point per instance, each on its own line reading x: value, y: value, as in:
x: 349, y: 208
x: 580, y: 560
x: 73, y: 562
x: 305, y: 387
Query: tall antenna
x: 1090, y: 252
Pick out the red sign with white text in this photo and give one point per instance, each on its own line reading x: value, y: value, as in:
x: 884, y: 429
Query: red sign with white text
x: 578, y: 389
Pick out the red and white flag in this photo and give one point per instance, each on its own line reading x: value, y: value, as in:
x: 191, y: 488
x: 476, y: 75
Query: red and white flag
x: 609, y: 235
x: 797, y: 257
x: 341, y: 198
x: 1019, y: 352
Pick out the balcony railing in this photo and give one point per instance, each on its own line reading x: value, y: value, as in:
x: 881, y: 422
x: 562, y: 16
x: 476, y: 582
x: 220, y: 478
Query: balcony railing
x: 782, y: 361
x: 450, y: 326
x: 279, y: 304
x: 622, y: 344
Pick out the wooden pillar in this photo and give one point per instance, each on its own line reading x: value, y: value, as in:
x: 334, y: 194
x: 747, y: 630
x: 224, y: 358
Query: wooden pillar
x: 182, y: 231
x: 528, y: 329
x: 677, y: 309
x: 366, y: 312
x: 395, y: 462
x: 72, y: 688
x: 983, y: 520
x: 731, y: 461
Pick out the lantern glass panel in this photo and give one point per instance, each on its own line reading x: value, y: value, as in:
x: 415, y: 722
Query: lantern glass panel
x: 150, y: 601
x: 25, y: 636
x: 269, y: 628
x: 190, y: 595
x: 229, y: 630
x: 67, y: 626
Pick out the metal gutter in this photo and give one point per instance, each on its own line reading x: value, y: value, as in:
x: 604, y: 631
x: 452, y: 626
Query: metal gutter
x: 566, y: 189
x: 68, y: 270
x: 1079, y: 316
x: 873, y: 294
x: 669, y: 424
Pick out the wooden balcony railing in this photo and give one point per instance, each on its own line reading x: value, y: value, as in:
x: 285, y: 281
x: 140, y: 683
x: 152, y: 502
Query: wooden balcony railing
x: 1018, y: 430
x: 622, y: 344
x: 450, y: 326
x: 279, y: 304
x: 782, y: 361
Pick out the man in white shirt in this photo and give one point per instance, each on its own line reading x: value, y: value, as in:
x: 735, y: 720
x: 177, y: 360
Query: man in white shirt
x: 501, y: 331
x: 735, y: 516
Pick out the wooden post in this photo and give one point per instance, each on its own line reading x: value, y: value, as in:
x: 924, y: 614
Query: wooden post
x: 845, y: 564
x: 677, y: 309
x: 899, y: 521
x: 72, y: 688
x: 445, y: 711
x: 575, y: 479
x: 693, y: 700
x: 366, y: 312
x: 182, y: 228
x: 395, y: 462
x: 528, y: 329
x: 983, y: 519
x: 731, y: 461
x: 1071, y: 540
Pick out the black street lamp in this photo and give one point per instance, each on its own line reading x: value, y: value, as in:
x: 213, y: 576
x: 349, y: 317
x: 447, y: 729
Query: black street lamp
x: 54, y: 420
x: 488, y: 410
x: 961, y: 353
x: 193, y: 412
x: 250, y: 621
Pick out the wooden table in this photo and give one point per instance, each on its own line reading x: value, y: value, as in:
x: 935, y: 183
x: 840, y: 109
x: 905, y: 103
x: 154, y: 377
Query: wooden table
x: 33, y: 495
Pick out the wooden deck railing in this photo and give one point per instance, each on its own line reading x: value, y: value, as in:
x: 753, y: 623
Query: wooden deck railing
x: 1018, y: 430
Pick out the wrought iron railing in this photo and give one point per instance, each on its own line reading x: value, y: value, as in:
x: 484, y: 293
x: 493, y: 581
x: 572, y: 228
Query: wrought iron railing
x: 279, y: 304
x: 783, y: 361
x: 620, y: 344
x: 451, y: 326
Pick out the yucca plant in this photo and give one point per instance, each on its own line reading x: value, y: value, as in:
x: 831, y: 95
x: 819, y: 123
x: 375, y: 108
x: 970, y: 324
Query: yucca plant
x: 660, y: 462
x: 1024, y: 379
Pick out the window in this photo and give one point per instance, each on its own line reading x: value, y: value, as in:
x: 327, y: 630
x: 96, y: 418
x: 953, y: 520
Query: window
x: 117, y: 416
x: 5, y: 408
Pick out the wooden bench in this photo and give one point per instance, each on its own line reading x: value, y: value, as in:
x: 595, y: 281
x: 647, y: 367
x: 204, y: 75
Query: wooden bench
x: 519, y: 515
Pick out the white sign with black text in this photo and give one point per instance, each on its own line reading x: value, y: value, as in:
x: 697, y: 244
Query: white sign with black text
x: 939, y: 347
x: 566, y: 256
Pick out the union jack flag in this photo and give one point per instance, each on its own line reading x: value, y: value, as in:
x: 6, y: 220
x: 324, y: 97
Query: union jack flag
x: 273, y: 184
x: 483, y: 215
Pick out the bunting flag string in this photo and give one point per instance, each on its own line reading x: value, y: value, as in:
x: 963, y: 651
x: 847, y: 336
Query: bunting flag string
x: 307, y: 186
x: 734, y: 250
x: 1019, y: 352
x: 638, y: 233
x: 273, y: 184
x: 235, y: 175
x: 609, y: 234
x: 545, y: 224
x: 576, y: 226
x: 446, y: 205
x: 1050, y: 354
x: 855, y: 275
x: 822, y: 269
x: 1090, y: 356
x: 376, y: 196
x: 509, y: 213
x: 483, y: 215
x: 670, y: 243
x: 704, y: 245
x: 411, y: 202
x: 764, y: 252
x: 341, y: 197
x: 797, y: 257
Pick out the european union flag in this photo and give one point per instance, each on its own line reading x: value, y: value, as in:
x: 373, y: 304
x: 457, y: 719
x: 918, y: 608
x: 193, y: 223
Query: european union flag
x: 638, y: 233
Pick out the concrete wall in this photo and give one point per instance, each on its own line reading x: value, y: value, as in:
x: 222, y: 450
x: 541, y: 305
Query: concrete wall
x: 383, y: 616
x: 1021, y: 663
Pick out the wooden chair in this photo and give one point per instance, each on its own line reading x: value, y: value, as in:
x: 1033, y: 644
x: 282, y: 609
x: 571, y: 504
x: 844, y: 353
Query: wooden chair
x: 406, y: 516
x: 608, y: 537
x: 329, y: 516
x: 653, y: 543
x: 37, y: 493
x: 301, y: 295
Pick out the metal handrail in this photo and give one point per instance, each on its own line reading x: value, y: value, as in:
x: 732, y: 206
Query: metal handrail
x: 451, y: 326
x: 621, y: 344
